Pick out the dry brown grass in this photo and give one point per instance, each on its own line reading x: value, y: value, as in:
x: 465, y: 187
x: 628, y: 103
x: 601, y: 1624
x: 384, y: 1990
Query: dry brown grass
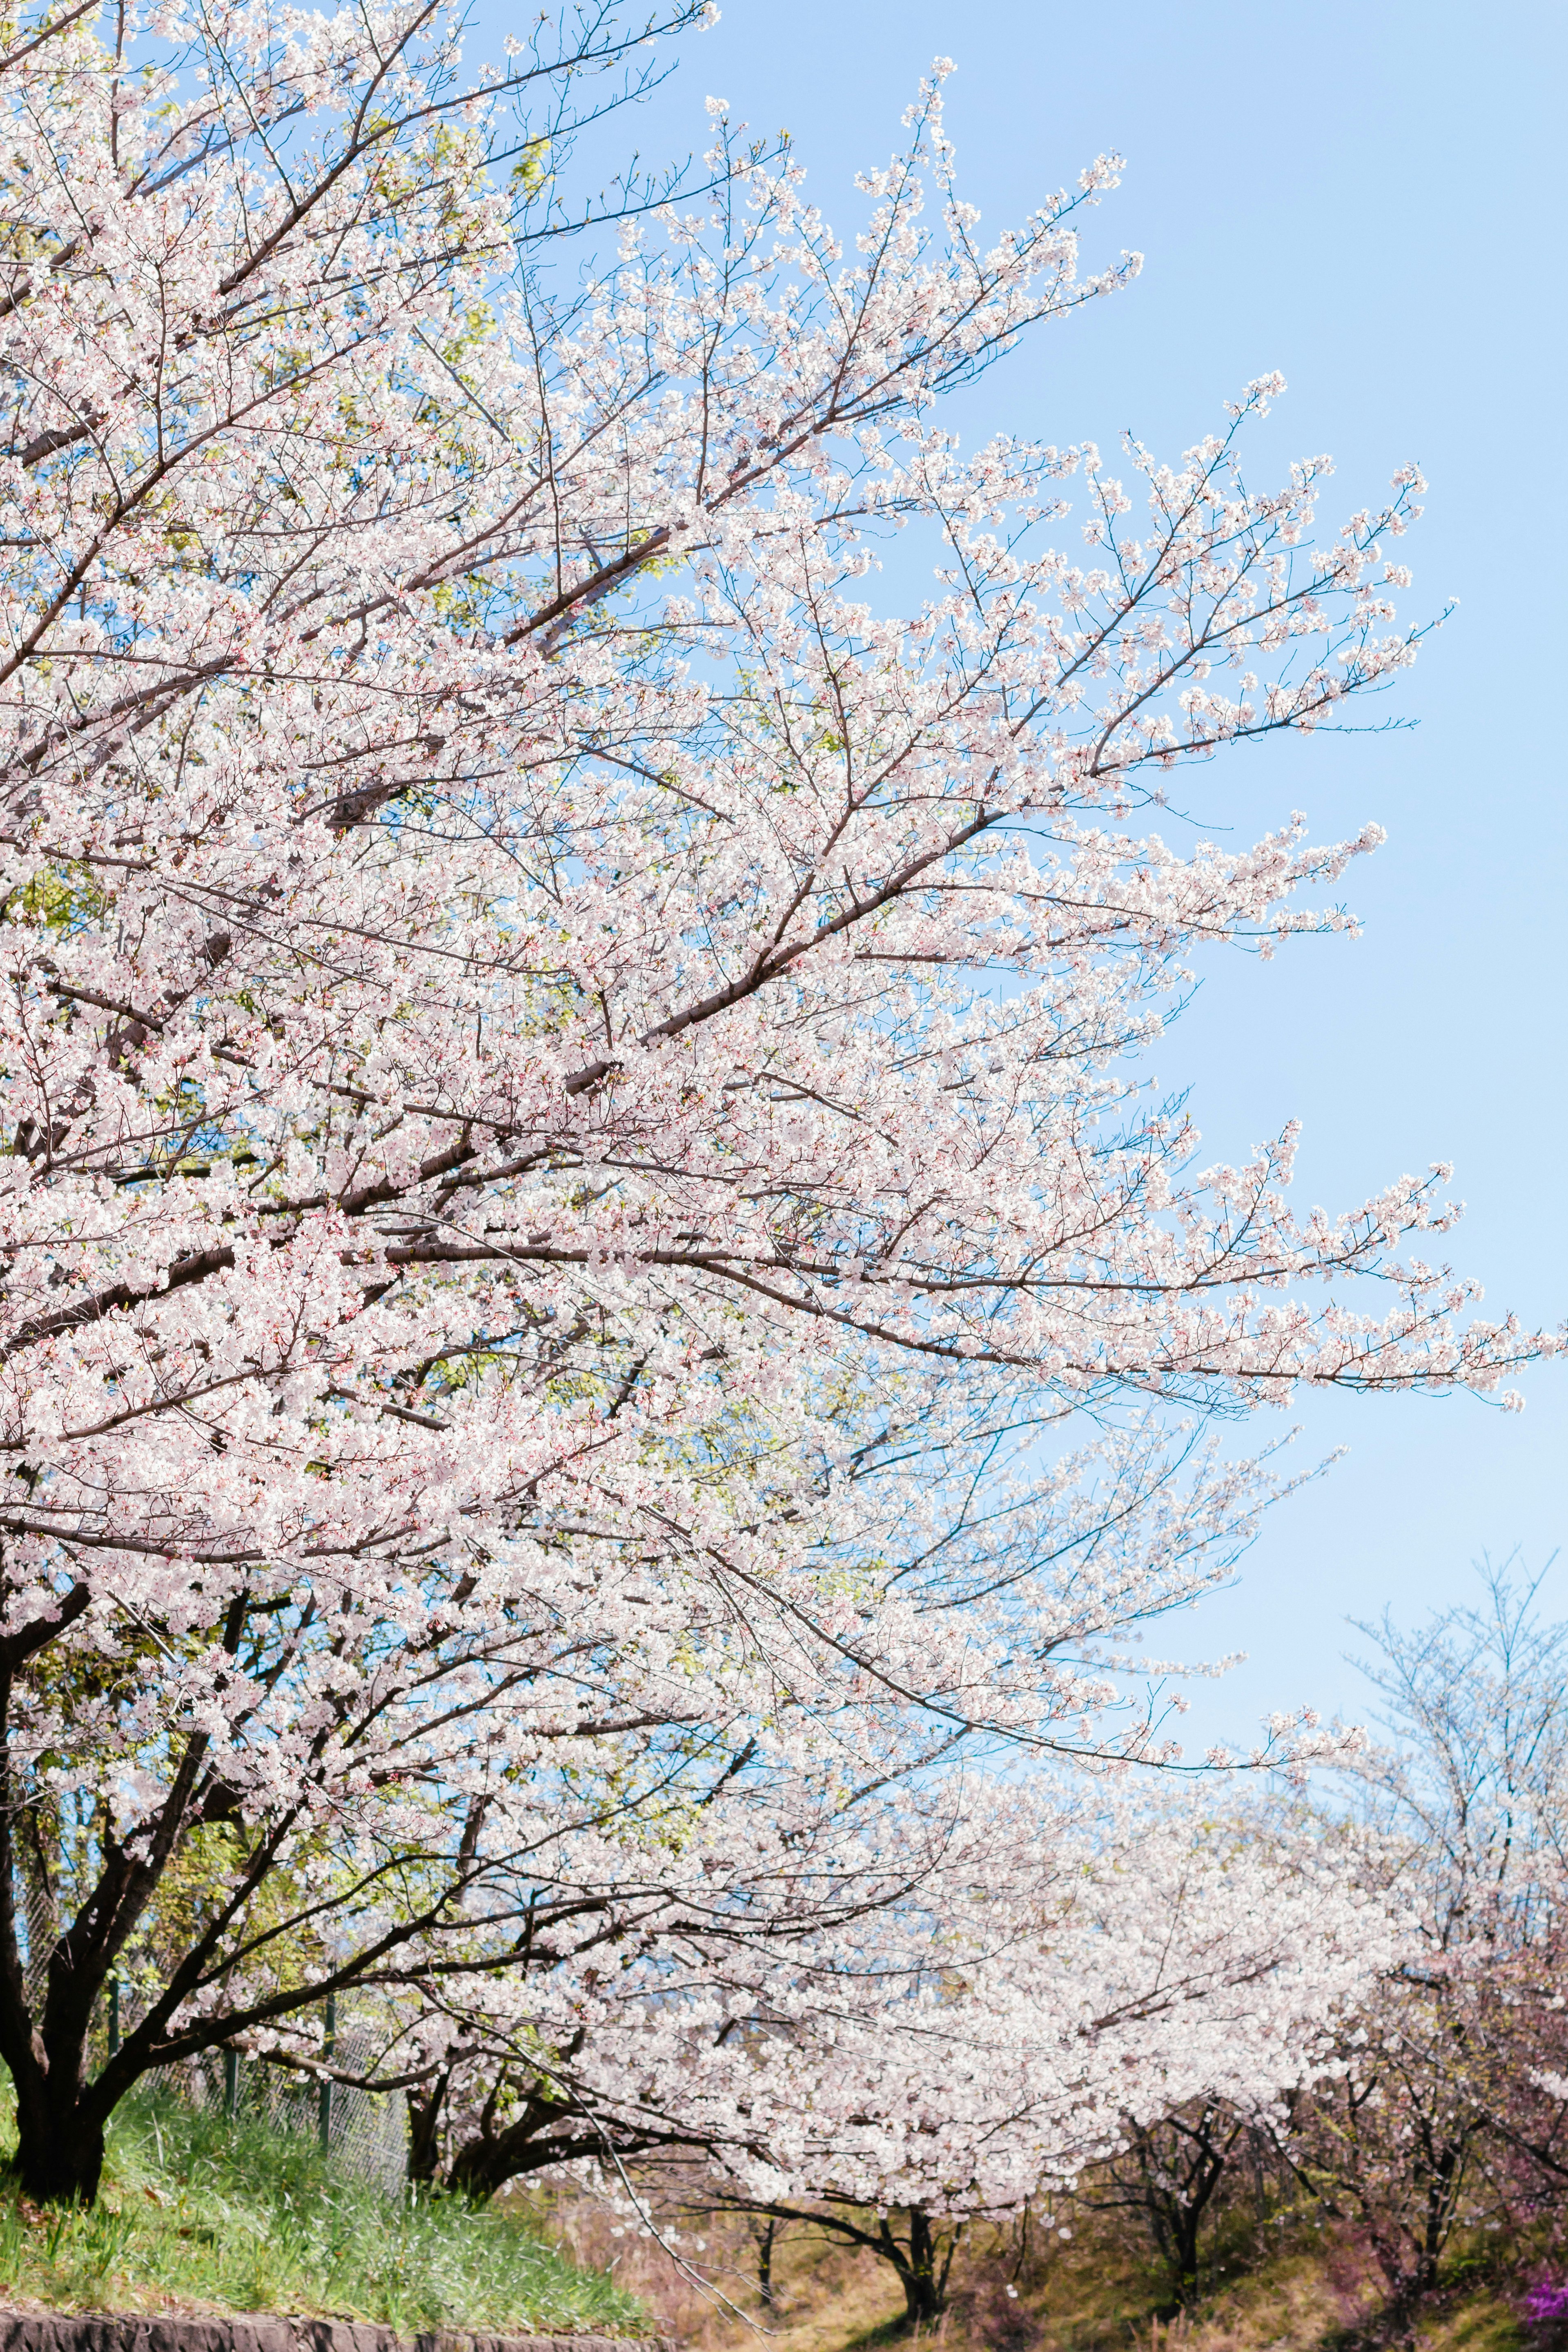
x: 1093, y: 2294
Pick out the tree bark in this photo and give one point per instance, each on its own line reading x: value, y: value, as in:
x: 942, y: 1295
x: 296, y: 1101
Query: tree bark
x: 485, y: 2163
x: 424, y: 2105
x: 765, y: 2260
x: 59, y: 2145
x: 923, y: 2266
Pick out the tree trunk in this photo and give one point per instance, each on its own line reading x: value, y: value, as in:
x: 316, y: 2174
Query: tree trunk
x: 923, y: 2280
x: 59, y: 2148
x: 1186, y: 2265
x: 424, y: 2105
x: 923, y: 2303
x: 487, y: 2162
x: 60, y: 2115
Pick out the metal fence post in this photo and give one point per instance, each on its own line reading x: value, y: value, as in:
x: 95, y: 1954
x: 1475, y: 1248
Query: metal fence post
x: 324, y: 2095
x: 231, y: 2082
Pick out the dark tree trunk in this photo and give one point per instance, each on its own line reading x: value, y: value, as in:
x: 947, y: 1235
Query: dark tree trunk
x: 59, y: 2145
x: 487, y: 2162
x: 425, y: 2108
x: 61, y: 2114
x: 1180, y: 2164
x: 1184, y: 2234
x: 766, y: 2260
x: 922, y: 2304
x: 923, y: 2264
x: 480, y: 2167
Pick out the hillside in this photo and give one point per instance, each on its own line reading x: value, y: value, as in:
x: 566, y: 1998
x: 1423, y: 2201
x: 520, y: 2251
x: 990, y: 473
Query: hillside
x: 1308, y: 2293
x: 200, y: 2214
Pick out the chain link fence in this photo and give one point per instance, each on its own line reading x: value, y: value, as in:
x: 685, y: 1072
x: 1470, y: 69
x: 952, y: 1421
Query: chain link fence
x: 365, y: 2132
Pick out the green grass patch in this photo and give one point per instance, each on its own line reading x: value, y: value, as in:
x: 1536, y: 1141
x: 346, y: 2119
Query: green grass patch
x: 200, y: 2212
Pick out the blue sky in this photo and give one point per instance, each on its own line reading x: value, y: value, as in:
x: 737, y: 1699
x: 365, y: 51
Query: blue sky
x: 1365, y: 198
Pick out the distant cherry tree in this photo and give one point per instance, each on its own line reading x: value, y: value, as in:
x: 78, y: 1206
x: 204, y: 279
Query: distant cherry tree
x: 1061, y: 1983
x: 1448, y: 2110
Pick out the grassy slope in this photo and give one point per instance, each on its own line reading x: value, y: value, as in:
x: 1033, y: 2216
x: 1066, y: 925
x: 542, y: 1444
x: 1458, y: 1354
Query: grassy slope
x: 199, y: 2214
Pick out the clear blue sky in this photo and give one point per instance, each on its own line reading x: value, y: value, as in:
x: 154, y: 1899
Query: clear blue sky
x: 1368, y: 198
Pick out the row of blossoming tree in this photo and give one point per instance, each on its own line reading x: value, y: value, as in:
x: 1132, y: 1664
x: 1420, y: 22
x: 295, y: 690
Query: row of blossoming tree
x: 1386, y: 2079
x: 604, y: 1344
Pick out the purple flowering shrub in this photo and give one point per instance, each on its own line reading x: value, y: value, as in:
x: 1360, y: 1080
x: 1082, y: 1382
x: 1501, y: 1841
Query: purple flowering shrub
x: 1546, y: 2304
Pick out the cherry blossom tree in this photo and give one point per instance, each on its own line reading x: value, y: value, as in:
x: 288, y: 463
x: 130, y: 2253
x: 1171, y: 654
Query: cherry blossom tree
x: 1447, y: 2111
x: 1058, y: 1979
x: 576, y: 1154
x: 1171, y: 2172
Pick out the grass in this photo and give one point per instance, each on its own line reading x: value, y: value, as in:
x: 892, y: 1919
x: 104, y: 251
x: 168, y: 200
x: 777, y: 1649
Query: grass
x: 197, y: 2213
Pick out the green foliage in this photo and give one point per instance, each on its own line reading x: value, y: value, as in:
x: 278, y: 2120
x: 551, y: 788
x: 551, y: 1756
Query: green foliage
x: 62, y: 899
x: 198, y: 2211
